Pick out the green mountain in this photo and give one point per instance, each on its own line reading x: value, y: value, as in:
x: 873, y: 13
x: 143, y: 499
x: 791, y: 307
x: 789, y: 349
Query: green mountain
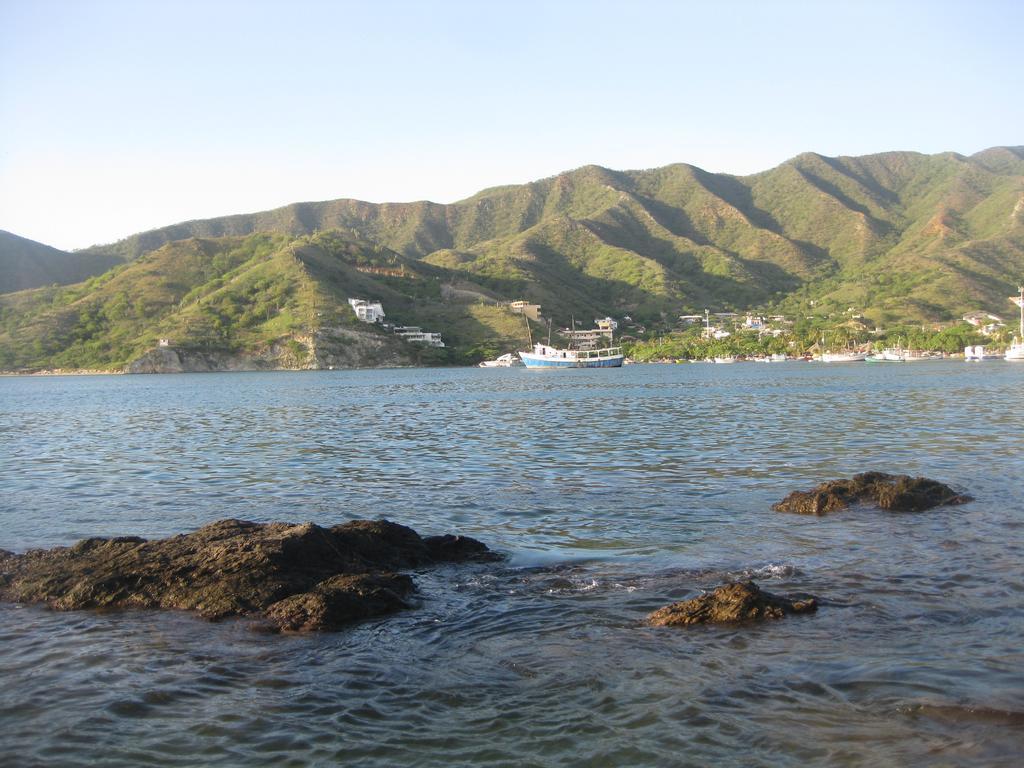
x: 899, y: 237
x: 262, y: 301
x: 27, y: 264
x: 901, y: 233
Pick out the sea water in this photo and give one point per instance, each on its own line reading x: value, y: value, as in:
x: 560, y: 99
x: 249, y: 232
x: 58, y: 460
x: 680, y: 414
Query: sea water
x: 611, y: 493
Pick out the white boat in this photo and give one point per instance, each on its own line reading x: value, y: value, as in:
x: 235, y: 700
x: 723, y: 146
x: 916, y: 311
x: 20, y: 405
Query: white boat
x: 544, y: 356
x: 1016, y: 350
x: 509, y: 360
x: 977, y: 354
x: 843, y: 357
x: 894, y: 355
x: 915, y: 356
x: 725, y: 360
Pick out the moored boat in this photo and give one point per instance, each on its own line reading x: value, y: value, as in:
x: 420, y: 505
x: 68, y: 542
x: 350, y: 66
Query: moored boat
x: 843, y: 357
x: 508, y: 360
x: 545, y: 356
x: 978, y: 354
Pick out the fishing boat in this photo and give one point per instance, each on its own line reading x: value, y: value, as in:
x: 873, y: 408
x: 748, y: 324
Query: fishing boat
x: 1016, y: 350
x: 881, y: 357
x: 546, y: 356
x: 509, y: 360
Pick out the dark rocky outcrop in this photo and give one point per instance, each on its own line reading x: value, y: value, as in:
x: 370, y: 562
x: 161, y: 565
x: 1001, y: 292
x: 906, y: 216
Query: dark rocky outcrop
x: 898, y: 493
x: 297, y: 577
x: 736, y: 601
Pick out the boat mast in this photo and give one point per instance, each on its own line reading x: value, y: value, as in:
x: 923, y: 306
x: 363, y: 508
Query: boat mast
x: 1020, y: 302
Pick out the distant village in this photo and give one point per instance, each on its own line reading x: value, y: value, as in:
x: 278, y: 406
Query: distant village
x: 715, y: 326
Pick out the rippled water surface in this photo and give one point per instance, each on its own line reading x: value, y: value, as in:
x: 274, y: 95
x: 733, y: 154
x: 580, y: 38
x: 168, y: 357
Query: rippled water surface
x: 613, y: 492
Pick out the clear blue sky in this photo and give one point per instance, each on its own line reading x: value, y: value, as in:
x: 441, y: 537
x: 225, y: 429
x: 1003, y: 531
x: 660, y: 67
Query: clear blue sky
x: 121, y: 116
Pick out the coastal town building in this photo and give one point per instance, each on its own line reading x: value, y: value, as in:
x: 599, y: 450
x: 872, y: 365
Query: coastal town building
x: 373, y: 312
x: 753, y: 323
x: 985, y: 322
x: 367, y: 311
x: 417, y: 334
x: 591, y: 338
x: 521, y: 307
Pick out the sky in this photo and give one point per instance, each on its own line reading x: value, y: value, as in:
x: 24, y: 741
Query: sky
x: 122, y: 116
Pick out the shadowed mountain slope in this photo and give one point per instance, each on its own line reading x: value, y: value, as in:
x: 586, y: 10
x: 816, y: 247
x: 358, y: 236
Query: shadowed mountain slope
x: 25, y: 264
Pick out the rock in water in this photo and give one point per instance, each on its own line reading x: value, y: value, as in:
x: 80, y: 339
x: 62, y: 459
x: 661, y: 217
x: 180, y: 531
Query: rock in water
x: 341, y: 599
x: 298, y: 577
x: 899, y: 493
x: 735, y: 601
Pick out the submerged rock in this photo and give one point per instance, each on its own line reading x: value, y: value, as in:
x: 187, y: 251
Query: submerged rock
x: 735, y: 601
x: 298, y: 577
x: 898, y: 493
x: 341, y: 599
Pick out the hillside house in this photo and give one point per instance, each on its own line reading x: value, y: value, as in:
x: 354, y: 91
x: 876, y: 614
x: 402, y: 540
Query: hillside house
x: 367, y: 311
x: 985, y: 322
x: 521, y: 307
x: 418, y: 335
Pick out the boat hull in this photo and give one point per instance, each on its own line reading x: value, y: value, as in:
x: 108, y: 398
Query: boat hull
x: 531, y: 360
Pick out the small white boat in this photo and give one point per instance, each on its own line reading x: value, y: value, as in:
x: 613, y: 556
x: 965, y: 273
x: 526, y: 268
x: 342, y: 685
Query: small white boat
x: 509, y: 360
x: 894, y: 355
x: 725, y: 360
x: 914, y: 356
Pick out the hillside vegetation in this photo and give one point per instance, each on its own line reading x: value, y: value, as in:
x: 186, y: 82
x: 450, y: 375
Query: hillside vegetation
x: 899, y: 237
x: 274, y: 300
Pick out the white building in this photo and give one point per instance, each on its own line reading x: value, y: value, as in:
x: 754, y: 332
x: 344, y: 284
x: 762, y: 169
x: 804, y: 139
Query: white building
x: 754, y: 322
x: 414, y: 333
x: 367, y: 311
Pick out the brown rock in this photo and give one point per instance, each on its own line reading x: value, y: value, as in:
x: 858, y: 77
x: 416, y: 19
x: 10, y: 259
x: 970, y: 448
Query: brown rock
x: 340, y: 600
x: 235, y: 568
x: 735, y: 601
x: 899, y: 493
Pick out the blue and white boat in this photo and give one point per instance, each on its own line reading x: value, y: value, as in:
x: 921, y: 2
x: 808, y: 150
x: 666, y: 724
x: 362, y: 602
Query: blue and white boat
x: 544, y: 356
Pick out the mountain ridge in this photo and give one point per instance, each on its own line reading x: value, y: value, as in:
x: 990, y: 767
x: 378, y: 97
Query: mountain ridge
x: 895, y: 237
